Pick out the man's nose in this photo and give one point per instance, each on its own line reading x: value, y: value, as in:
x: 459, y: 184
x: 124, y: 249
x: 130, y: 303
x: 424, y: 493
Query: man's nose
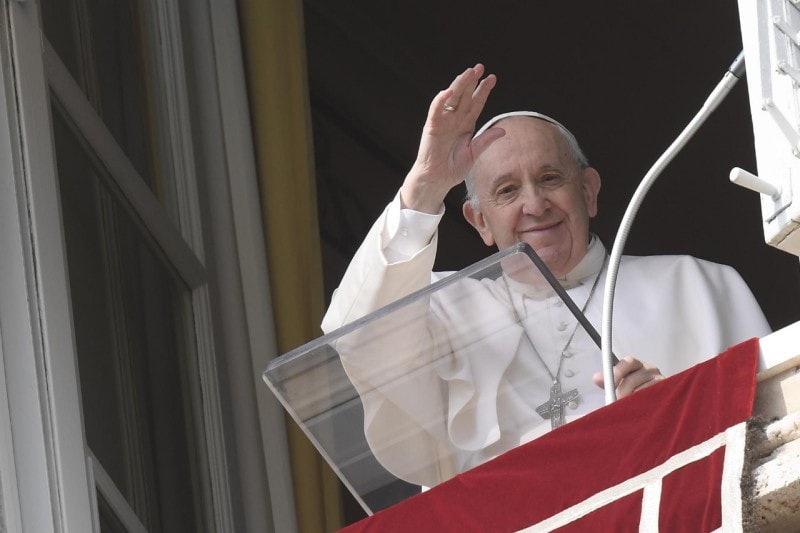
x: 534, y: 201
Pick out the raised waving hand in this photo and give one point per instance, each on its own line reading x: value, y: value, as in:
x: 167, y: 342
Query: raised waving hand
x: 447, y: 150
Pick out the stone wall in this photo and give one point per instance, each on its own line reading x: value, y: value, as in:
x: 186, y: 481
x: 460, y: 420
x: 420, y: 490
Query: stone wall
x: 773, y: 477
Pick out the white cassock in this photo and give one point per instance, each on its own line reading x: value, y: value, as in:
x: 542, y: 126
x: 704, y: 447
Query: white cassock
x: 465, y: 386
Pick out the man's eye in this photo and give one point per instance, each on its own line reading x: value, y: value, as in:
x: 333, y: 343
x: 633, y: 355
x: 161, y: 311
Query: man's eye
x: 552, y: 180
x: 506, y: 191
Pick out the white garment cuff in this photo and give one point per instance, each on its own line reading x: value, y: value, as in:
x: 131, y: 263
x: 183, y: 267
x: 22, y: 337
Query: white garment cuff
x: 407, y: 231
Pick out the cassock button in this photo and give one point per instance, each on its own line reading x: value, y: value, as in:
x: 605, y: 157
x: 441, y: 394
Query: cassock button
x: 568, y: 353
x: 559, y: 302
x: 404, y: 232
x: 569, y: 373
x: 573, y: 404
x: 562, y: 326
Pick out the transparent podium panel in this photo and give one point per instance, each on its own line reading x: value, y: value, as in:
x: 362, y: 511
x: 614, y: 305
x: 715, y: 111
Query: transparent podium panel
x: 430, y: 385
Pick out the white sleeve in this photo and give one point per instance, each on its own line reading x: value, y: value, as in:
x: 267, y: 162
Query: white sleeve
x: 407, y: 231
x: 386, y: 266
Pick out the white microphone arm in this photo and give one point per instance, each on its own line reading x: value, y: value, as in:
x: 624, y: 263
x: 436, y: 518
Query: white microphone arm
x: 732, y: 75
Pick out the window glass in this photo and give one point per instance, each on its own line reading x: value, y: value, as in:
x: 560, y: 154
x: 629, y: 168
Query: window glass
x: 103, y: 45
x: 136, y: 358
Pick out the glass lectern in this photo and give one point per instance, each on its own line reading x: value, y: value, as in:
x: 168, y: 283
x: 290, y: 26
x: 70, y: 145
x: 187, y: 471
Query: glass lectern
x: 370, y: 394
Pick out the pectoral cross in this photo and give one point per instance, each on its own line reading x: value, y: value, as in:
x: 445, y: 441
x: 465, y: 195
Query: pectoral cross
x: 554, y: 407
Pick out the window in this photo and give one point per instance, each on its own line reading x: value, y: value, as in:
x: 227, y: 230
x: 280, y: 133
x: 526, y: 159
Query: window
x: 133, y: 329
x: 120, y: 314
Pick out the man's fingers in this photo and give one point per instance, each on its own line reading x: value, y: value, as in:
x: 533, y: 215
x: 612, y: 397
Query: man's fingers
x: 481, y: 94
x: 459, y: 96
x: 631, y: 375
x: 625, y: 366
x: 463, y: 87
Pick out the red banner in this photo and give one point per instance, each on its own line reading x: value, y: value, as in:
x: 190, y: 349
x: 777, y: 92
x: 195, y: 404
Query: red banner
x: 626, y: 453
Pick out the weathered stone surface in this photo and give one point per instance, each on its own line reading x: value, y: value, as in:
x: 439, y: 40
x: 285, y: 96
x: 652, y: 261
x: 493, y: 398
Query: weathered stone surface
x: 774, y: 497
x: 776, y: 490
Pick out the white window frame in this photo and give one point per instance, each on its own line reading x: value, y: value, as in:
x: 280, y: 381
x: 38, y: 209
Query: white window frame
x: 54, y: 494
x: 46, y: 482
x: 222, y: 114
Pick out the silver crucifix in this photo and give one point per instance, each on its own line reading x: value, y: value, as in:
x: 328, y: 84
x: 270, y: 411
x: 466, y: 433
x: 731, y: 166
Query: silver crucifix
x: 554, y: 407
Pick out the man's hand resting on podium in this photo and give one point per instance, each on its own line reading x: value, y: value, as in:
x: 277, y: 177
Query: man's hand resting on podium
x: 631, y: 375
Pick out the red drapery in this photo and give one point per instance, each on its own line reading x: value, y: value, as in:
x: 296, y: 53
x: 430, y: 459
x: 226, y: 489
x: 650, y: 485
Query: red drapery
x: 601, y: 450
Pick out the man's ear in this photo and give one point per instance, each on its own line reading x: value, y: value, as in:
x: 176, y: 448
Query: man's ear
x: 475, y: 217
x: 591, y: 188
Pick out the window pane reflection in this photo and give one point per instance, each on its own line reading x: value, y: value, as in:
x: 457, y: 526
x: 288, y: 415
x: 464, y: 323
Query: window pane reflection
x: 103, y: 45
x: 133, y: 320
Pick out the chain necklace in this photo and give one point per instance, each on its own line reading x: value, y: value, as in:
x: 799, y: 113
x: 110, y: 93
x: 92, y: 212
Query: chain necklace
x: 553, y: 408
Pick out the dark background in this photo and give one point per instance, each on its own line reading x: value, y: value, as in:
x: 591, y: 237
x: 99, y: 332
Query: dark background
x: 625, y: 77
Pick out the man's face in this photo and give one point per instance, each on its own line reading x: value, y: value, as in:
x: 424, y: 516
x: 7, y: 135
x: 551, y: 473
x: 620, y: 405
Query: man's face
x: 530, y: 189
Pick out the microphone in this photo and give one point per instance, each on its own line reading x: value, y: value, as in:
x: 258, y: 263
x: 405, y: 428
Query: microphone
x: 717, y: 95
